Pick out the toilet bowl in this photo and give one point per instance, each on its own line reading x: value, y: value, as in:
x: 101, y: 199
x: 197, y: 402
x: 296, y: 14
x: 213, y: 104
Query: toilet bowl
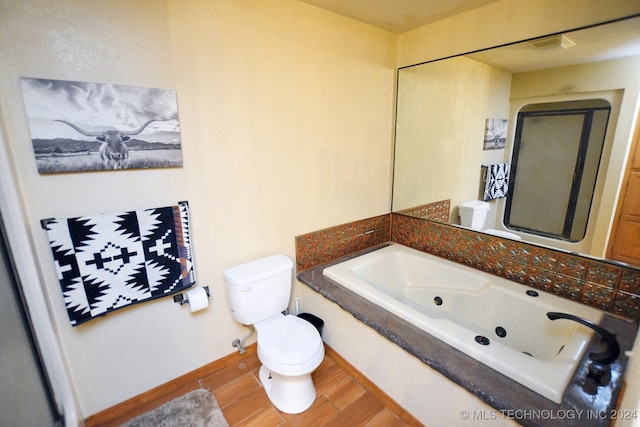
x: 290, y: 348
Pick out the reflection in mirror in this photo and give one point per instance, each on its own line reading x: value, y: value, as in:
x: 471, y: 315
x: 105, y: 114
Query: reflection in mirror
x: 564, y: 141
x: 443, y: 109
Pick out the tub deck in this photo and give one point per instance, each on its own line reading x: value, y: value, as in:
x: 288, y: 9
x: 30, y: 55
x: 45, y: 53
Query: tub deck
x: 490, y: 386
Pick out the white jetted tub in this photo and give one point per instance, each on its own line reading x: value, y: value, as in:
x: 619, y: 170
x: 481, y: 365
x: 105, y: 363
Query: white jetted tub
x: 491, y: 319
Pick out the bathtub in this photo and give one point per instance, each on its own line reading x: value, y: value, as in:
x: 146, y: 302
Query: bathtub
x: 497, y: 322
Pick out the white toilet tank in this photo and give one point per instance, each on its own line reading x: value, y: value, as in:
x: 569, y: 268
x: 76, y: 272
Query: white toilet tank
x: 473, y: 214
x: 259, y: 289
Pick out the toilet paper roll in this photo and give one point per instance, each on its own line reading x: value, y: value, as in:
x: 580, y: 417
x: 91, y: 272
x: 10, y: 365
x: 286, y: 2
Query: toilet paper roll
x: 197, y: 299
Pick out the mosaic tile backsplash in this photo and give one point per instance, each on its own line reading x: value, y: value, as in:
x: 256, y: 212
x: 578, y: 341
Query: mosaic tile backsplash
x: 436, y: 211
x: 325, y: 245
x: 611, y: 288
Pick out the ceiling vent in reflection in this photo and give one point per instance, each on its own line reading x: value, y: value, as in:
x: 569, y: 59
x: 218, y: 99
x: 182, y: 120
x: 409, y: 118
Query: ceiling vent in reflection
x: 552, y: 42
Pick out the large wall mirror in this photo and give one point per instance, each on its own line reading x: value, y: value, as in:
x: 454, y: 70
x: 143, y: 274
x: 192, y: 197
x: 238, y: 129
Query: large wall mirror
x: 458, y: 115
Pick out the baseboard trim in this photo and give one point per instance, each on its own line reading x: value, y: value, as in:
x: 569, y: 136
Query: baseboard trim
x: 109, y: 415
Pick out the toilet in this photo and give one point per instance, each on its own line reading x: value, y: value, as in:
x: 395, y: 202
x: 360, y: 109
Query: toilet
x: 473, y: 215
x: 289, y: 347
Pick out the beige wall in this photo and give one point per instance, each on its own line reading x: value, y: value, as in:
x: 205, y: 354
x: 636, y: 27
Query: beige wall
x: 440, y: 123
x: 287, y: 118
x: 286, y: 115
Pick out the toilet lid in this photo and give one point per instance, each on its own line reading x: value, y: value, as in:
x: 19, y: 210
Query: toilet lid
x: 289, y: 340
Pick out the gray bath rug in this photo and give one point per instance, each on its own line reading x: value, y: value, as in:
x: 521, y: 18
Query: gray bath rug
x: 197, y: 408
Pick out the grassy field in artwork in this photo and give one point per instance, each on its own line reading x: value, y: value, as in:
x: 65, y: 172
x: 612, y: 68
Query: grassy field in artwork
x: 90, y: 161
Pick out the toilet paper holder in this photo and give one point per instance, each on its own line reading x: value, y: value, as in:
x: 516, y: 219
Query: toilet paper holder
x: 182, y: 300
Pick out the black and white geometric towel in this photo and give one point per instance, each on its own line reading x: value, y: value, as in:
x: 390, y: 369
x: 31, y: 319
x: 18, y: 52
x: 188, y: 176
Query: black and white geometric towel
x: 496, y: 183
x: 106, y: 262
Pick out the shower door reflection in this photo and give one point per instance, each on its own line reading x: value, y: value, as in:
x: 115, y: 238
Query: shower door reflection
x: 556, y: 155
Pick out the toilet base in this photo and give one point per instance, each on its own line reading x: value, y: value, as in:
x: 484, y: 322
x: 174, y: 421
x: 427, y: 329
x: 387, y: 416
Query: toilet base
x: 290, y: 394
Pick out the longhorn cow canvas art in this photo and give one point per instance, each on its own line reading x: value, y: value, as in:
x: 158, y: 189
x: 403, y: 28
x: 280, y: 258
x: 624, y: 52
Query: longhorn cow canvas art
x: 81, y: 126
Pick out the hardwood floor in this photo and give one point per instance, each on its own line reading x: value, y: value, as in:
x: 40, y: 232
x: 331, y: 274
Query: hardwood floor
x: 344, y: 397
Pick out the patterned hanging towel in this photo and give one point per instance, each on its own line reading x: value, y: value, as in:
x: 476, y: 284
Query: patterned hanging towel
x: 106, y: 262
x: 496, y: 182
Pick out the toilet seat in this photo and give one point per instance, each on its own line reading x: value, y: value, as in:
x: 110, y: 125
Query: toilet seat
x: 289, y: 345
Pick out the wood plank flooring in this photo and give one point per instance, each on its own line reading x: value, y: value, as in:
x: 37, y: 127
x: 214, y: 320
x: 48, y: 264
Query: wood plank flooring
x: 344, y: 397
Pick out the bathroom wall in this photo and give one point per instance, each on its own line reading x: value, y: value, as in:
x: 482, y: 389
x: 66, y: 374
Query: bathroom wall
x: 287, y: 118
x: 286, y: 115
x: 418, y: 388
x: 436, y: 162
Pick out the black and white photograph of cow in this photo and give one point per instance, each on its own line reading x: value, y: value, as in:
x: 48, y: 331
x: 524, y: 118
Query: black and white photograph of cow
x: 81, y: 126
